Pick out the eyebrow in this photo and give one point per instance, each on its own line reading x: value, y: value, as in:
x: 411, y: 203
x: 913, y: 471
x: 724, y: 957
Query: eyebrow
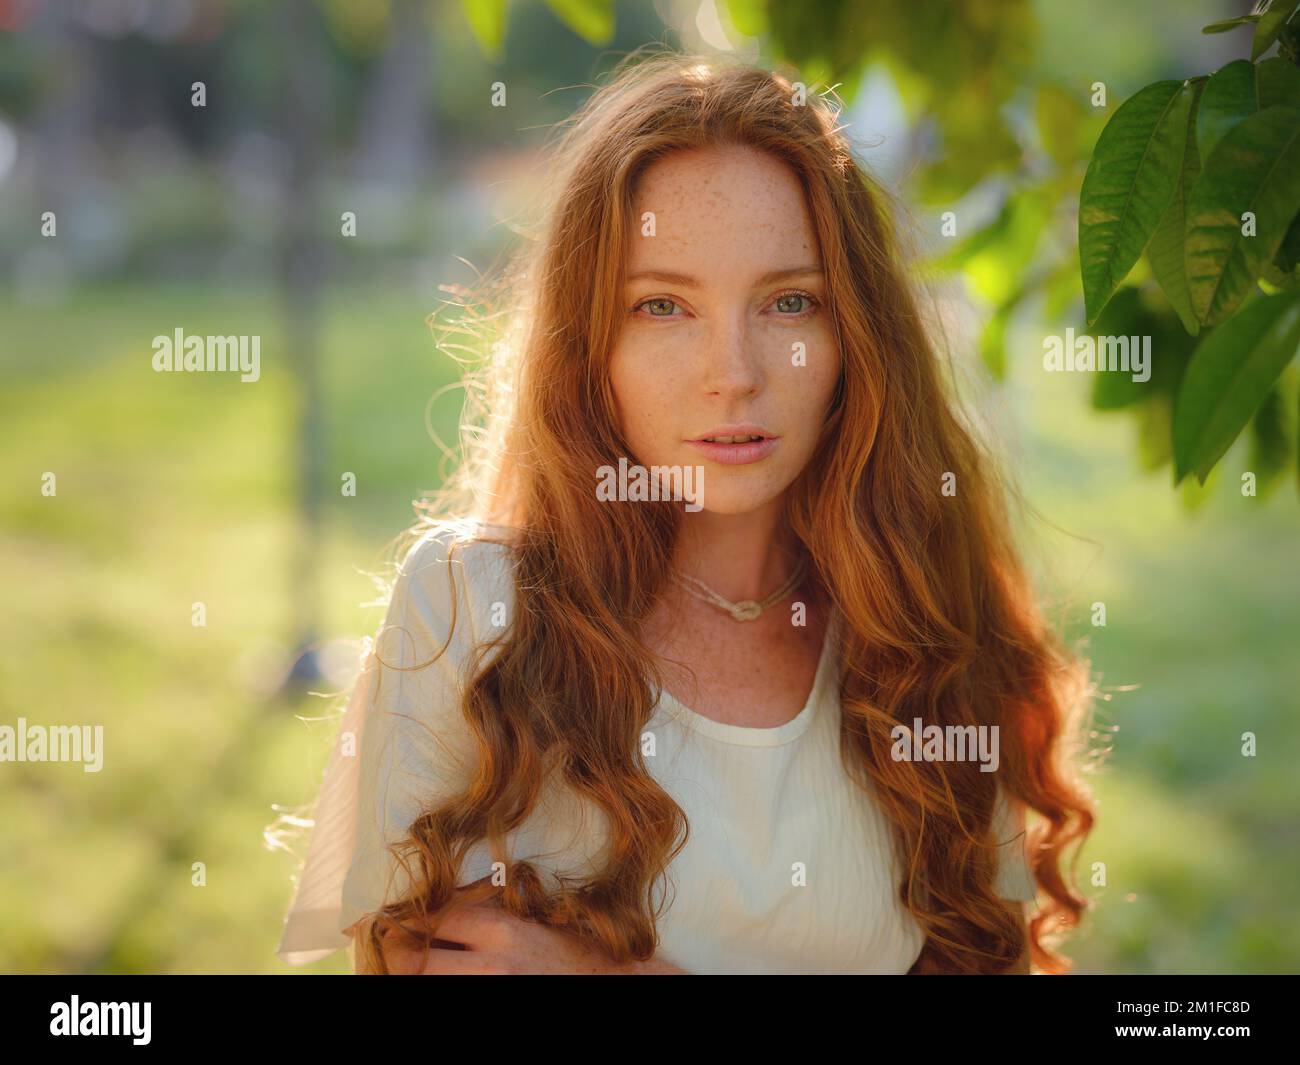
x: 687, y: 281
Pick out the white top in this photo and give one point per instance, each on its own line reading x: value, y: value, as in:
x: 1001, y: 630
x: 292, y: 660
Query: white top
x: 788, y: 867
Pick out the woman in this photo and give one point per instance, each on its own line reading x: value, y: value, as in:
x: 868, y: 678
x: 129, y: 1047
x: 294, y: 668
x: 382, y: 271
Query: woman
x: 724, y: 559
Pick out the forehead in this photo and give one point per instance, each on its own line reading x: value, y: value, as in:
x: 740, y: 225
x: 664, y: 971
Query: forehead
x: 720, y: 209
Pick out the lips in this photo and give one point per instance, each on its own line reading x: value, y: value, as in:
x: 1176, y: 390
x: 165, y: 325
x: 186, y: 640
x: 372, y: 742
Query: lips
x: 739, y: 433
x: 735, y: 445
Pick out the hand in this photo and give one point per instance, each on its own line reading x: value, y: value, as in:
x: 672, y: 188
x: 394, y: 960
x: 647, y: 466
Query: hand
x: 484, y: 939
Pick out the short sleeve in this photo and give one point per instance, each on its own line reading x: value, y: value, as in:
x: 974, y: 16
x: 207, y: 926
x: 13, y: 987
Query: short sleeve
x: 1015, y: 878
x: 403, y: 743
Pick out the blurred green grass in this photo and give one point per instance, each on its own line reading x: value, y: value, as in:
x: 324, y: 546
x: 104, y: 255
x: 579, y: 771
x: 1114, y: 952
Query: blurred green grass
x: 177, y: 488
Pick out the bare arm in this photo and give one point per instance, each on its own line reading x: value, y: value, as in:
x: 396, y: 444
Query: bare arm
x: 497, y: 942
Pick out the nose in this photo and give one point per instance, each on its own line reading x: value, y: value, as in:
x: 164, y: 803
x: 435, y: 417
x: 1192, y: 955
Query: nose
x: 732, y: 369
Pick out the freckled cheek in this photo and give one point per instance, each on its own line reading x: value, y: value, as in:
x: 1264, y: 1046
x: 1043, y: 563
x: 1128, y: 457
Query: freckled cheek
x: 646, y: 386
x: 656, y: 369
x: 804, y: 378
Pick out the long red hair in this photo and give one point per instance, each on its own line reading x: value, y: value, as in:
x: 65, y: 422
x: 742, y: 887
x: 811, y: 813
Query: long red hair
x: 941, y: 622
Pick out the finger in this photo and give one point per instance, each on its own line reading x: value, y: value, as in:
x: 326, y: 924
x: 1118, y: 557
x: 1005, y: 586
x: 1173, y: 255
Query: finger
x: 435, y: 962
x: 477, y: 894
x: 480, y: 926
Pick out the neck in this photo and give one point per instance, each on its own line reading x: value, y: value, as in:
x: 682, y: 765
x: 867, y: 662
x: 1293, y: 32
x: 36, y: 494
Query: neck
x: 739, y: 556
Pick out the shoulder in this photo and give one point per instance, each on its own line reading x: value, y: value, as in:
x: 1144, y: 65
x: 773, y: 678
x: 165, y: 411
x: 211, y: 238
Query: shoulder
x: 455, y: 584
x: 475, y: 553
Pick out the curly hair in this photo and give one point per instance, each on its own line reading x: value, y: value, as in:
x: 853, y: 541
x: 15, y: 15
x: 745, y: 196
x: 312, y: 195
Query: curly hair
x: 940, y: 620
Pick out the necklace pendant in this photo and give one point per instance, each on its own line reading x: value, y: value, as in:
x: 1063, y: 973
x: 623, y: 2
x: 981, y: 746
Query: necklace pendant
x: 746, y: 610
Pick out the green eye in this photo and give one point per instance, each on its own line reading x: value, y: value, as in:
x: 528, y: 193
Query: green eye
x: 665, y: 307
x: 783, y: 303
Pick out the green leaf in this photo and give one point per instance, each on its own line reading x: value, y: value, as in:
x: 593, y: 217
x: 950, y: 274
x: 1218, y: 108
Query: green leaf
x: 1237, y: 91
x: 822, y: 41
x: 1273, y: 433
x: 972, y: 150
x: 993, y: 344
x: 979, y: 242
x: 748, y: 16
x: 1059, y: 117
x: 1124, y: 315
x: 1282, y: 272
x: 487, y: 21
x: 1129, y: 183
x: 592, y: 20
x: 1140, y: 312
x: 1193, y: 495
x: 1256, y: 167
x: 993, y: 341
x: 1270, y: 25
x: 1166, y: 252
x: 1230, y: 372
x: 997, y: 269
x: 1229, y: 24
x: 1115, y: 391
x: 1154, y: 419
x: 1288, y: 253
x: 1060, y: 290
x: 1279, y: 83
x: 1231, y: 96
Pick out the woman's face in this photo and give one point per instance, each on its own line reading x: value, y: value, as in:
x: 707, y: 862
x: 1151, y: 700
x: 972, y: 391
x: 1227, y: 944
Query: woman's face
x: 726, y: 330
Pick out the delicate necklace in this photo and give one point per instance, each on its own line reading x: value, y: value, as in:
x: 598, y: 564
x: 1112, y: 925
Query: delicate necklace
x: 746, y: 609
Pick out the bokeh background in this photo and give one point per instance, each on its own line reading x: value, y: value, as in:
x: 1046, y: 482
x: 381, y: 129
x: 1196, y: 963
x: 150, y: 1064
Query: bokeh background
x: 184, y: 488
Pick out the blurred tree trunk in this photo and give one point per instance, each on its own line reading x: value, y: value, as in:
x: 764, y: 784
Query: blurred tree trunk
x: 393, y: 147
x: 301, y: 267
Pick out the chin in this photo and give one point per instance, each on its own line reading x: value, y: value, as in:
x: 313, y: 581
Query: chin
x: 739, y: 510
x: 719, y: 500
